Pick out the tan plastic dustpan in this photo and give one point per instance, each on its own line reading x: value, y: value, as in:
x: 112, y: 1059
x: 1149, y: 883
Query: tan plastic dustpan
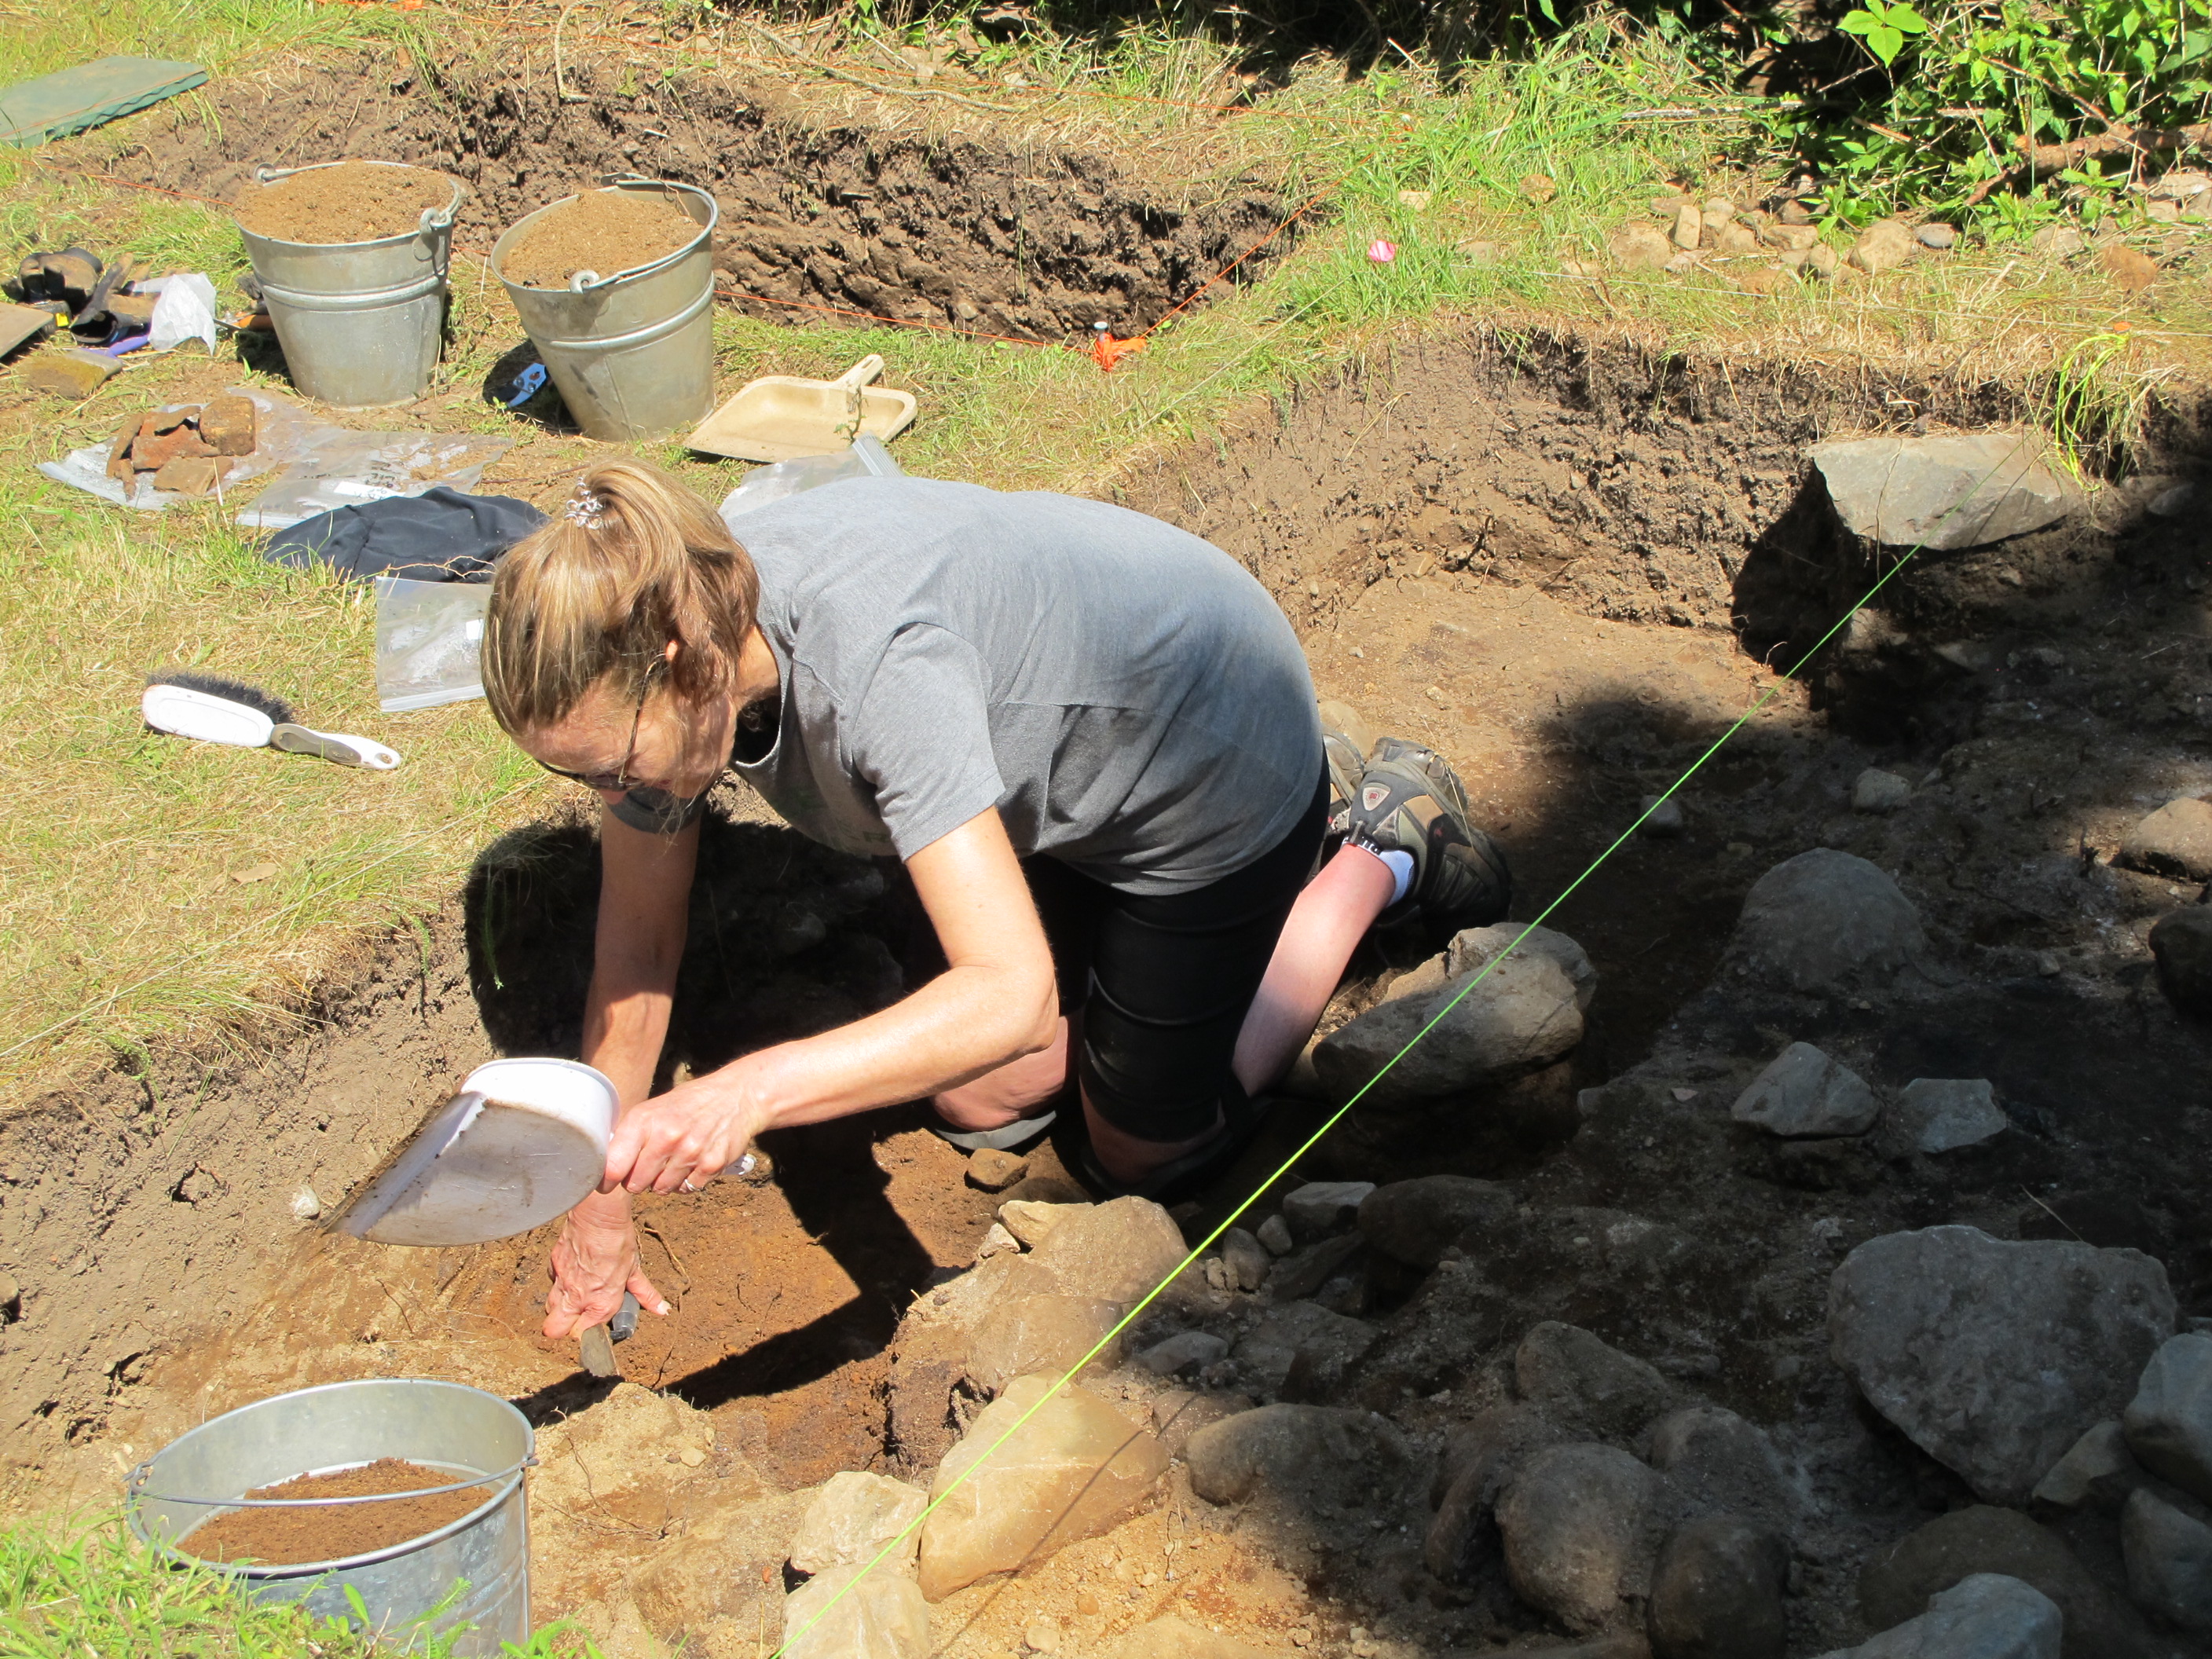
x: 780, y: 417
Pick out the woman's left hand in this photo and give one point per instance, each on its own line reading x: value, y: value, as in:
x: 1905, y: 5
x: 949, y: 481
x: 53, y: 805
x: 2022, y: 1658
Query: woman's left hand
x: 680, y: 1141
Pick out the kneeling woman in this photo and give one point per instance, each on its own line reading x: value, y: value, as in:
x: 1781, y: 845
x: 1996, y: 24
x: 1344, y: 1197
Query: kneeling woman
x: 1090, y: 737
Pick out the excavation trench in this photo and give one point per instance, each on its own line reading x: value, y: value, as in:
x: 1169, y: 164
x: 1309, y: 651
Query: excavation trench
x: 1565, y: 564
x: 974, y: 233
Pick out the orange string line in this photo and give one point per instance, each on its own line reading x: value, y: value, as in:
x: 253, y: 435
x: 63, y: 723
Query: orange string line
x: 1305, y: 206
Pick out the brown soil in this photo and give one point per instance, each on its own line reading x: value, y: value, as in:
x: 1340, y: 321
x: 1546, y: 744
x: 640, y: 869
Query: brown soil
x: 352, y: 201
x: 280, y: 1538
x: 601, y: 231
x: 1027, y: 240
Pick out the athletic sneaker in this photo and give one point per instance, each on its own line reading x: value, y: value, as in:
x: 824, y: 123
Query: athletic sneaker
x: 1409, y: 800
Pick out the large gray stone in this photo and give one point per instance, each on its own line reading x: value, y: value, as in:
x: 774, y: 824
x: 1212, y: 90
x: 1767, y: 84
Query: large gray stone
x: 1579, y: 1381
x: 1471, y: 947
x: 1300, y: 1456
x: 1805, y: 1092
x: 853, y: 1517
x: 1415, y: 1221
x: 1480, y: 1456
x: 2097, y: 1472
x: 1988, y: 1616
x: 2181, y: 943
x: 1576, y: 1521
x: 1717, y: 1463
x: 1073, y: 1469
x: 1265, y: 1354
x: 1026, y: 1334
x: 1319, y: 1208
x: 1523, y: 1015
x: 2169, y: 1560
x: 849, y: 1613
x: 1945, y: 1115
x: 1995, y: 1356
x: 1823, y: 920
x: 1718, y: 1591
x: 1112, y: 1252
x: 1897, y: 1582
x: 1945, y: 491
x: 2169, y: 1421
x: 2174, y: 841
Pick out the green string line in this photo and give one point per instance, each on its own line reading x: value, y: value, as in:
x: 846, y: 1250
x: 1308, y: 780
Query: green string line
x: 1335, y: 1117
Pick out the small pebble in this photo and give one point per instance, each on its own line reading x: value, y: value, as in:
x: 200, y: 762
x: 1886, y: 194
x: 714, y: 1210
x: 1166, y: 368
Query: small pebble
x: 1877, y: 791
x: 1417, y: 200
x: 690, y: 1457
x: 1663, y: 819
x: 1086, y: 1604
x: 1275, y: 1233
x: 1936, y: 235
x: 1043, y: 1636
x: 305, y: 1206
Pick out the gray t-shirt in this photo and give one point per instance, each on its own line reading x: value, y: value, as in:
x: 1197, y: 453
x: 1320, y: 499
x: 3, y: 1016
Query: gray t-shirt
x: 1126, y: 695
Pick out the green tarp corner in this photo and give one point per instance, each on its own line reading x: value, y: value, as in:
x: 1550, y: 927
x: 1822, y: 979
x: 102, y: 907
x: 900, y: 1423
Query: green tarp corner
x: 72, y: 99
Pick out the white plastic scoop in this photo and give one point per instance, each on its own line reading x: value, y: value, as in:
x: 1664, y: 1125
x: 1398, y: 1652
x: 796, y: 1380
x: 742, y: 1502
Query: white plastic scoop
x: 522, y: 1142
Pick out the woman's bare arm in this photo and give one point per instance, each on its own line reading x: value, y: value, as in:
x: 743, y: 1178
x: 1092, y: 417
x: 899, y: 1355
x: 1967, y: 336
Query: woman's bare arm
x: 996, y: 1000
x: 645, y: 894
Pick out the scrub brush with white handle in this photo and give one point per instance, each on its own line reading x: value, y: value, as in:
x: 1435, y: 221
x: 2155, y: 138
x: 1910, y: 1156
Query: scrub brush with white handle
x: 214, y: 710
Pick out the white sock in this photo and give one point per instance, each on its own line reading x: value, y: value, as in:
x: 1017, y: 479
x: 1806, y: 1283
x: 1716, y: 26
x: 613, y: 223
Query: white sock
x: 1400, y: 865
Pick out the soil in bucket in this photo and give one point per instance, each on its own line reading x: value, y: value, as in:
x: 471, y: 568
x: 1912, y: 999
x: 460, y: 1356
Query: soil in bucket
x: 604, y: 232
x: 282, y: 1537
x: 352, y: 201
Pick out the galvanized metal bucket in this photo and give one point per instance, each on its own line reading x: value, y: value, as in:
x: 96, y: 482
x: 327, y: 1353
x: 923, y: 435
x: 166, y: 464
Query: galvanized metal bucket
x: 360, y: 322
x: 633, y: 353
x: 482, y: 1439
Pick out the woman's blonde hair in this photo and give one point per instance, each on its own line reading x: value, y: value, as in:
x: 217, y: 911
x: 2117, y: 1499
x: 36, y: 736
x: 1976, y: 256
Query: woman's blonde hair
x: 632, y: 561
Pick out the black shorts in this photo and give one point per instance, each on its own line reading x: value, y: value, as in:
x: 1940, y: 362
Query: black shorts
x: 1162, y: 984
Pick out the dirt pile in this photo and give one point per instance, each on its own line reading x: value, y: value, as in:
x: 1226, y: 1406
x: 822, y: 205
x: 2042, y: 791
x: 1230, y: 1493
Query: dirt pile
x: 979, y: 233
x: 603, y: 231
x: 282, y: 1537
x: 352, y: 201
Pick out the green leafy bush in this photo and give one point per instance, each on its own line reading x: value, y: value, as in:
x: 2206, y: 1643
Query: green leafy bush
x: 1951, y: 104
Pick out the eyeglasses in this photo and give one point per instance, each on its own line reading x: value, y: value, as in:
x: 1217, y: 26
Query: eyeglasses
x: 618, y: 780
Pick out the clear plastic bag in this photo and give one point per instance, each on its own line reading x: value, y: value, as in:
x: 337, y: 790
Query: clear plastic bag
x: 338, y: 467
x: 428, y: 636
x: 866, y: 458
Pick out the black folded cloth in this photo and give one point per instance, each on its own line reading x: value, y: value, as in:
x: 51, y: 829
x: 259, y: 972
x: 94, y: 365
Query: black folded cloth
x: 439, y: 536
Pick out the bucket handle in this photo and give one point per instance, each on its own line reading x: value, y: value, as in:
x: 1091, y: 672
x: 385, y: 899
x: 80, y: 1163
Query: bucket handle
x: 135, y: 1489
x: 583, y: 282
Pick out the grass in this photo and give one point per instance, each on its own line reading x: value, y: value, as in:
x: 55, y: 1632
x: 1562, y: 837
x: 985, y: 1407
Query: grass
x: 119, y: 896
x: 90, y: 1590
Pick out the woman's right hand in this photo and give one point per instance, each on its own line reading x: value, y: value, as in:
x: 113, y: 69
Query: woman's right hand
x: 594, y: 1261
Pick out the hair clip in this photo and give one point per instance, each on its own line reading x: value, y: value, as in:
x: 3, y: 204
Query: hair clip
x: 585, y: 509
